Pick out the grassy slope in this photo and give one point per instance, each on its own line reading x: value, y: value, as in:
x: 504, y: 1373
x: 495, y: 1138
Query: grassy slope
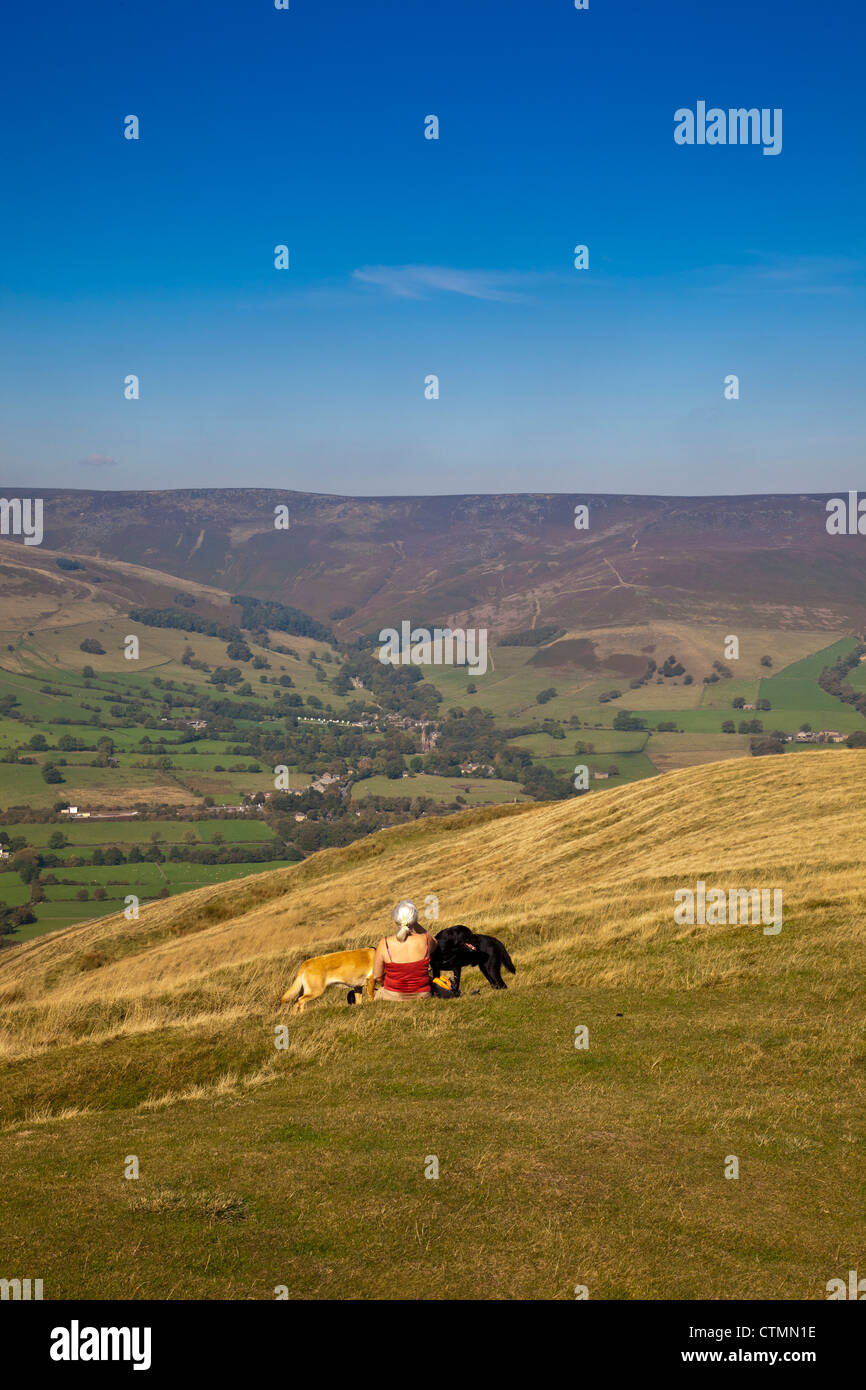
x: 604, y: 1167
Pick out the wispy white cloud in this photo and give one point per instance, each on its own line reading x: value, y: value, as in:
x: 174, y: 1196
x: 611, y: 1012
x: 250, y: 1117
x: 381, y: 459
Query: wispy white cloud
x: 421, y: 281
x: 97, y: 461
x: 818, y: 274
x: 811, y: 274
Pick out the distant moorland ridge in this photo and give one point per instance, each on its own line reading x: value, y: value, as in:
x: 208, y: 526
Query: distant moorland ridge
x: 508, y: 562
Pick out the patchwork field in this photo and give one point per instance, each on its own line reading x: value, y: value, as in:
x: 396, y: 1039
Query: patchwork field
x: 63, y: 904
x: 510, y: 690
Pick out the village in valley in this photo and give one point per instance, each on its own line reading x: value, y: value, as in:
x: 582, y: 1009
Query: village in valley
x: 228, y: 749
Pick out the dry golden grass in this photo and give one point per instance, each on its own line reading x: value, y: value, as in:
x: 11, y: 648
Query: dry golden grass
x: 559, y: 882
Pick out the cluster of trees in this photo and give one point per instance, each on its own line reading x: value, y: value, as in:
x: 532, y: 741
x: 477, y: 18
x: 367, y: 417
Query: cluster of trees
x: 467, y: 736
x: 397, y: 689
x: 333, y: 820
x: 189, y: 658
x: 647, y: 676
x: 68, y: 743
x: 544, y: 784
x: 186, y: 622
x: 239, y: 651
x: 257, y: 615
x: 315, y: 747
x: 551, y: 727
x: 228, y: 675
x: 311, y: 835
x: 761, y: 747
x: 832, y: 679
x: 11, y: 918
x: 720, y: 672
x: 624, y: 719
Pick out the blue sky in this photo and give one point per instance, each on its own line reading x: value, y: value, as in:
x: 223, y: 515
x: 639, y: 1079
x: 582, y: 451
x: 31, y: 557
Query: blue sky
x: 411, y: 257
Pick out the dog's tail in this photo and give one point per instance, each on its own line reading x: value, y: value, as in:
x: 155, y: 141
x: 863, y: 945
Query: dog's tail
x: 295, y: 990
x: 508, y: 962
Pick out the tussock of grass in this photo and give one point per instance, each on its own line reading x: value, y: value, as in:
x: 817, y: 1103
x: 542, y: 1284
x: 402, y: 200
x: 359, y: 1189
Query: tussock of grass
x: 213, y: 1206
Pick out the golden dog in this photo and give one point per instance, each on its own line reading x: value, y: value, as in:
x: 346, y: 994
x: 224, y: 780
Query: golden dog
x: 352, y: 969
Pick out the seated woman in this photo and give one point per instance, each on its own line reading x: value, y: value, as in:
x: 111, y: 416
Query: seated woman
x: 401, y: 968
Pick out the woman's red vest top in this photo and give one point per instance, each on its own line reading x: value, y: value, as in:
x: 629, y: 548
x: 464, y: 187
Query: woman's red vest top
x: 408, y: 976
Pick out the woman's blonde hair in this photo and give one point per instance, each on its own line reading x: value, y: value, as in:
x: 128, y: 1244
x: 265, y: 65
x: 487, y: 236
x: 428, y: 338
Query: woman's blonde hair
x: 405, y: 915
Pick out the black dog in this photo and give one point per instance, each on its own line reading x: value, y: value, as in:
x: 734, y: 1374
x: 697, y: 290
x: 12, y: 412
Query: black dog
x: 458, y: 946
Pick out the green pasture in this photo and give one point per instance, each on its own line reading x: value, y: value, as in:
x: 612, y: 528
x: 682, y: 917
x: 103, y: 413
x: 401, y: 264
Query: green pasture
x: 61, y: 907
x: 810, y: 667
x: 476, y: 791
x: 86, y: 834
